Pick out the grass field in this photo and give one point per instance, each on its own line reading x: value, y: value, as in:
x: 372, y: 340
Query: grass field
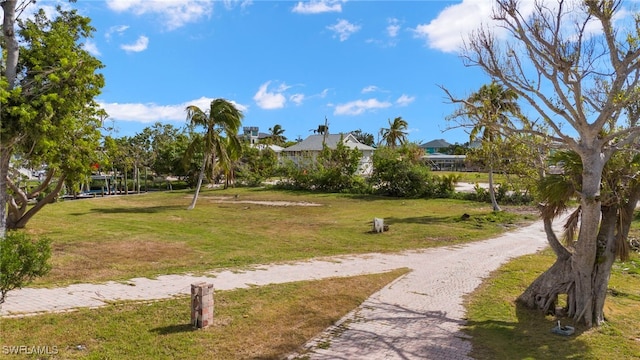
x: 120, y: 237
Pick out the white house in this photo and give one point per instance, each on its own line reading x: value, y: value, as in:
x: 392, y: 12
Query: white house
x: 310, y: 147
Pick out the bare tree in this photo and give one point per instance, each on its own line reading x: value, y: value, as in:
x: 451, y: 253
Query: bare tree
x: 580, y: 73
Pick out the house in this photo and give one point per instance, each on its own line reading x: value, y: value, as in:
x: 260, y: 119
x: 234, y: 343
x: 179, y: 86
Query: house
x: 435, y: 146
x: 310, y: 147
x: 253, y: 134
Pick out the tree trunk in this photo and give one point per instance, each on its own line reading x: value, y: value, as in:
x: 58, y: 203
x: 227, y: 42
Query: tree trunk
x: 5, y: 157
x: 22, y: 221
x: 200, y: 178
x: 492, y: 191
x: 582, y: 275
x: 11, y: 44
x: 584, y: 257
x: 10, y: 70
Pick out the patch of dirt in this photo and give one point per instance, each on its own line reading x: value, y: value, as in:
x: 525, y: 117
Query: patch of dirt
x: 233, y: 200
x: 98, y: 261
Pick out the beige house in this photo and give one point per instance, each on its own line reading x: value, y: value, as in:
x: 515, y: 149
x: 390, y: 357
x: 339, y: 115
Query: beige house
x: 310, y: 147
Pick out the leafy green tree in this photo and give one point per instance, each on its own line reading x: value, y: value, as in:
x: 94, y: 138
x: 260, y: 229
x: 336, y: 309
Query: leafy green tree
x: 222, y: 119
x: 396, y: 133
x: 399, y: 172
x: 256, y: 165
x: 48, y: 111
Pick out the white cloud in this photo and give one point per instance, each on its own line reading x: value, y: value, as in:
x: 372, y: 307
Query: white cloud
x: 91, y: 47
x: 405, y: 100
x: 358, y: 107
x: 230, y: 4
x: 297, y: 98
x: 317, y: 6
x: 270, y: 100
x: 140, y: 45
x: 370, y: 88
x: 151, y: 112
x: 174, y: 13
x: 454, y: 24
x: 117, y: 29
x: 343, y: 29
x: 393, y: 28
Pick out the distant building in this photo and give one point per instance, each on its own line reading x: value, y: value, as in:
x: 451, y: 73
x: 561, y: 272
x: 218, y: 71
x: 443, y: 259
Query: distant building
x: 253, y: 134
x: 435, y: 146
x: 310, y: 148
x: 437, y: 161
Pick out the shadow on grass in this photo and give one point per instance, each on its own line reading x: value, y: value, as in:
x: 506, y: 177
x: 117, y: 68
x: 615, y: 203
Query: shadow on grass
x: 426, y: 220
x: 134, y: 210
x: 174, y: 329
x: 529, y: 337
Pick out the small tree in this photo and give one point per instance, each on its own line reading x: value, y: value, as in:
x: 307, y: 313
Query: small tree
x: 399, y: 172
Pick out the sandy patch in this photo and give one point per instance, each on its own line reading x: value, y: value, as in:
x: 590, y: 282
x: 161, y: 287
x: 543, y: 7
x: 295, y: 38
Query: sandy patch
x: 230, y: 200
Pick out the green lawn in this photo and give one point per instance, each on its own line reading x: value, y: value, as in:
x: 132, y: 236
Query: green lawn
x: 116, y: 238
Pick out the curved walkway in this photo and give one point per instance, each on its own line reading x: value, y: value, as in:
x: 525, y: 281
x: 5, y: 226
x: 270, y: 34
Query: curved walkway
x: 418, y: 316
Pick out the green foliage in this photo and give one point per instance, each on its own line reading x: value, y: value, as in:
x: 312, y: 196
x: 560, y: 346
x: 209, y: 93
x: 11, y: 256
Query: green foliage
x: 399, y: 175
x: 503, y: 195
x: 49, y: 114
x: 364, y: 137
x: 396, y: 133
x: 255, y: 165
x: 21, y: 260
x: 333, y: 170
x: 52, y: 112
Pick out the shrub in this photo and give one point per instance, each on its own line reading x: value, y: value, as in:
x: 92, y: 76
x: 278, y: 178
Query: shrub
x: 21, y: 260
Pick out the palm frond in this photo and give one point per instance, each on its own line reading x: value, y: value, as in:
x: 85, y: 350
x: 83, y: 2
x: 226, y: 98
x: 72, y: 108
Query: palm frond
x: 571, y: 226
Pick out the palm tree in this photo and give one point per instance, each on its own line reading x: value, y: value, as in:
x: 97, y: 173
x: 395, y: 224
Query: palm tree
x: 396, y: 133
x: 491, y: 107
x: 223, y: 118
x: 276, y: 134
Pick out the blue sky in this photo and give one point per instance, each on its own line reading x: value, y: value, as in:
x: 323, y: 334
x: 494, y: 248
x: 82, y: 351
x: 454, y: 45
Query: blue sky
x: 357, y: 63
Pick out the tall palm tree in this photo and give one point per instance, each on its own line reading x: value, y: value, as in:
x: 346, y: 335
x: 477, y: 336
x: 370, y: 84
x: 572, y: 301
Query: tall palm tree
x: 491, y: 108
x: 276, y: 134
x: 396, y: 133
x: 222, y: 118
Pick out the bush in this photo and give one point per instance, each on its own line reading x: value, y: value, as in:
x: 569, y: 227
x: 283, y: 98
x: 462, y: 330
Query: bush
x: 22, y: 260
x: 400, y: 176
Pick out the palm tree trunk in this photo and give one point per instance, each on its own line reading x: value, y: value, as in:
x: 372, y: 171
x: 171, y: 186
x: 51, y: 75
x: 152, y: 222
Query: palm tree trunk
x: 199, y: 185
x: 492, y: 191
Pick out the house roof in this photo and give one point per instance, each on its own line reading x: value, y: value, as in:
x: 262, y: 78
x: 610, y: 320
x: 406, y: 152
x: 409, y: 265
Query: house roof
x: 314, y: 143
x: 438, y: 143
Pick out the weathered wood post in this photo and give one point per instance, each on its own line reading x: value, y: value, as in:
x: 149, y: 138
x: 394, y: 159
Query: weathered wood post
x: 201, y: 304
